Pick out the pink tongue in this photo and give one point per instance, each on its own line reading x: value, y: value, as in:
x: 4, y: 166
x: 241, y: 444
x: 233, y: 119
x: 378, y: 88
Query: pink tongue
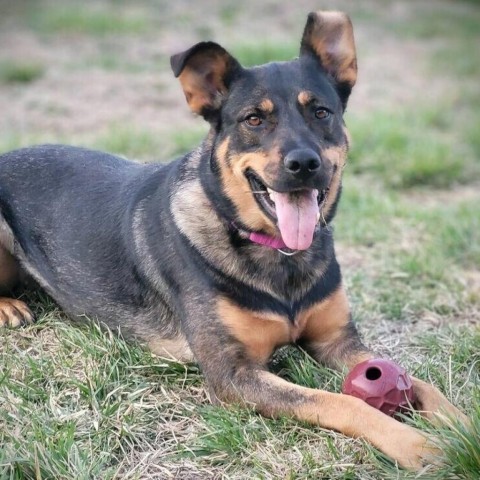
x: 297, y: 217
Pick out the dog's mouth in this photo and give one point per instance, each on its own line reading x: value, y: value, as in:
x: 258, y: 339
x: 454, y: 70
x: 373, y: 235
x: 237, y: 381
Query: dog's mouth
x: 296, y: 213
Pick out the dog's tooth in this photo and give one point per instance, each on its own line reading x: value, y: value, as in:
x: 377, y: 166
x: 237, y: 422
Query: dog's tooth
x: 318, y: 216
x: 271, y: 194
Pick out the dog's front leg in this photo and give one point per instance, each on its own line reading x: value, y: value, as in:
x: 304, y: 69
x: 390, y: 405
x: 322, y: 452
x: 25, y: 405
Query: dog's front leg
x: 432, y: 404
x: 235, y: 379
x: 331, y: 338
x: 235, y: 373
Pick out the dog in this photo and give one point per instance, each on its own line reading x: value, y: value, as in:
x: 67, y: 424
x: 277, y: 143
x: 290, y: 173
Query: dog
x: 221, y: 256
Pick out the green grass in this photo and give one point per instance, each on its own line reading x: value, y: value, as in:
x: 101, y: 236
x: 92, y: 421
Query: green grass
x: 87, y: 18
x: 11, y: 140
x: 20, y: 72
x: 256, y: 53
x: 78, y: 402
x: 412, y: 148
x: 461, y: 447
x: 472, y: 136
x: 79, y: 399
x: 451, y: 32
x: 185, y: 140
x: 131, y: 142
x: 414, y: 256
x: 148, y: 145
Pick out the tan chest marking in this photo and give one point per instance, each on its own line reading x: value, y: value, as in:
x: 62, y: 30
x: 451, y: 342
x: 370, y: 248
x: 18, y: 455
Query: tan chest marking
x: 324, y: 321
x: 262, y: 332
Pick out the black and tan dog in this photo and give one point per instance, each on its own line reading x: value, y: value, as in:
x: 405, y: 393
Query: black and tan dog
x: 223, y: 255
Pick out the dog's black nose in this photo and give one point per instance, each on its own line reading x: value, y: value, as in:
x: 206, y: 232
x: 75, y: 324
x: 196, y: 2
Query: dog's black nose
x: 302, y: 163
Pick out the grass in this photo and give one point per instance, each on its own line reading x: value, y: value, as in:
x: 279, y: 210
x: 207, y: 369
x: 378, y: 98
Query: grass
x: 89, y: 18
x: 132, y: 142
x: 461, y: 447
x: 415, y: 263
x: 20, y: 72
x: 78, y: 402
x: 148, y: 145
x: 77, y: 392
x: 257, y: 53
x: 411, y: 149
x: 452, y: 32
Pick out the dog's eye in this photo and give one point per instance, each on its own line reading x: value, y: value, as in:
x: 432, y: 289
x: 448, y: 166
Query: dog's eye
x: 253, y: 121
x: 322, y: 113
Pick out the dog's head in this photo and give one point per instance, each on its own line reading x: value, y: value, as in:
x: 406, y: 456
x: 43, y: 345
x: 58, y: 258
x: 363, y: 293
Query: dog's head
x: 280, y: 140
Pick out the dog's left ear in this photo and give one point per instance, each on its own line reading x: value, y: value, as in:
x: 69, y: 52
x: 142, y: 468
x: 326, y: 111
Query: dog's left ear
x: 205, y: 72
x: 329, y: 37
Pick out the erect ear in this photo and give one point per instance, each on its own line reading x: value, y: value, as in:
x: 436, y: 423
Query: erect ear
x: 205, y: 72
x: 329, y: 37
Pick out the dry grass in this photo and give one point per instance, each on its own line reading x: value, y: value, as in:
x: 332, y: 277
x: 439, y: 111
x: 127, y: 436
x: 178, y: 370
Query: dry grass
x: 77, y: 402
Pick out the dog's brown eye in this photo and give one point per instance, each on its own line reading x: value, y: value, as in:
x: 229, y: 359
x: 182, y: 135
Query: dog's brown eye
x: 322, y: 113
x: 253, y: 121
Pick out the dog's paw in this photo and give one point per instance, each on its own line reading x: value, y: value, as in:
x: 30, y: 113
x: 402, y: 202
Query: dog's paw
x: 414, y: 450
x: 432, y: 404
x: 14, y: 313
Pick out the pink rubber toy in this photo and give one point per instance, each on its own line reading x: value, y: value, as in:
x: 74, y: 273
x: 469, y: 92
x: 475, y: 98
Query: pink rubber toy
x: 382, y: 384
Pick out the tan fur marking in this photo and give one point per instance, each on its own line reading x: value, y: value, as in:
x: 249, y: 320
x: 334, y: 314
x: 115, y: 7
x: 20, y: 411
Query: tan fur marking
x: 176, y: 349
x: 260, y: 333
x: 191, y: 211
x: 9, y: 267
x: 238, y: 189
x: 434, y: 405
x: 9, y: 270
x: 324, y: 329
x: 304, y: 97
x: 325, y: 320
x: 6, y: 236
x: 347, y: 135
x: 202, y: 81
x: 266, y: 105
x: 350, y: 416
x: 331, y: 37
x: 337, y: 156
x: 14, y: 313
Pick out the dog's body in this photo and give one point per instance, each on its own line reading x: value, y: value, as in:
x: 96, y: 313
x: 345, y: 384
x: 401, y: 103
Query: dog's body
x: 223, y: 255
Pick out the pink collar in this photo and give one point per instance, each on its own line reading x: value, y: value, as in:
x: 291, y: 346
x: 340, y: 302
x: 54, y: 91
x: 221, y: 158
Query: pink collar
x: 267, y: 240
x: 261, y: 238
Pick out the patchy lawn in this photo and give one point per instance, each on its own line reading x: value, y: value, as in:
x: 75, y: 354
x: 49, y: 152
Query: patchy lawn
x: 80, y: 403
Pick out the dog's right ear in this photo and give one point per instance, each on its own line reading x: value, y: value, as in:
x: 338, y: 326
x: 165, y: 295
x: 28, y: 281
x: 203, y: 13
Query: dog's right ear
x: 328, y: 36
x: 205, y: 72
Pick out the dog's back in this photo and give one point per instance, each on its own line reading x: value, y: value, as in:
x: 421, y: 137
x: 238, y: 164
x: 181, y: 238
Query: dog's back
x: 68, y: 212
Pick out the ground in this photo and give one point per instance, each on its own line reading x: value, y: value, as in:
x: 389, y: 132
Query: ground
x: 77, y: 402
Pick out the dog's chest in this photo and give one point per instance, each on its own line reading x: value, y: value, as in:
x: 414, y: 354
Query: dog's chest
x: 262, y: 332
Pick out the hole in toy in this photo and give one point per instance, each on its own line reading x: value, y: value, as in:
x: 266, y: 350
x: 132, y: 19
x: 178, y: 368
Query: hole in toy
x: 373, y: 373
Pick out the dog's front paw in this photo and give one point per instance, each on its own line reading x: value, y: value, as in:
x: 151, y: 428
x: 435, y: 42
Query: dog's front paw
x: 412, y: 449
x: 432, y: 404
x: 14, y: 313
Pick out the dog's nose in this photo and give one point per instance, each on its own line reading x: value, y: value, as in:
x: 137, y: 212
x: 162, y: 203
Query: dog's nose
x: 302, y: 163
